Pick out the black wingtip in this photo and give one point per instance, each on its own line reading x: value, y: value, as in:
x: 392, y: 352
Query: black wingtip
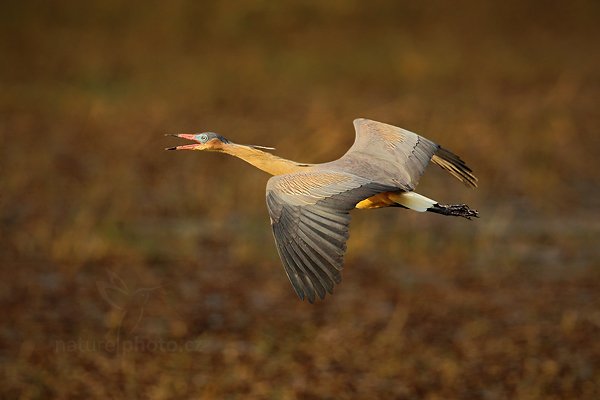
x: 170, y: 148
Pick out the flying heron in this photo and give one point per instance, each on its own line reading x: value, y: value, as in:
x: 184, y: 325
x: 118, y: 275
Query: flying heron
x: 309, y: 204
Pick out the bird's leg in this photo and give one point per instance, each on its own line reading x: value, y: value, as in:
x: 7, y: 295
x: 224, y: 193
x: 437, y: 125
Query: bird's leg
x: 412, y: 200
x: 457, y: 210
x: 420, y: 203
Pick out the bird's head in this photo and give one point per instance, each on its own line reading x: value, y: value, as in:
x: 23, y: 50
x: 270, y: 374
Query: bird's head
x: 208, y: 141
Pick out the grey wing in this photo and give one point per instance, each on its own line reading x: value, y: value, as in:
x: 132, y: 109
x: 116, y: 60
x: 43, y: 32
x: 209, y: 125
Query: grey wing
x: 310, y: 214
x: 395, y: 156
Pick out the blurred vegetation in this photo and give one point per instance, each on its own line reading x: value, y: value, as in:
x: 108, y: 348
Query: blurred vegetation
x: 91, y: 207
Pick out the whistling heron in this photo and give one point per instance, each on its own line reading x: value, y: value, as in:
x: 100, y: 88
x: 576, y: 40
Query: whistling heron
x: 310, y: 204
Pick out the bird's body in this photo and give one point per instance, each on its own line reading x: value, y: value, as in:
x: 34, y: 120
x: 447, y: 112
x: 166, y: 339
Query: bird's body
x: 309, y: 204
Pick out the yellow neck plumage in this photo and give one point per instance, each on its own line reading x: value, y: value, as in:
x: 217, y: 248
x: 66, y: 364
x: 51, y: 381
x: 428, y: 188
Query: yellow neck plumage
x: 262, y: 160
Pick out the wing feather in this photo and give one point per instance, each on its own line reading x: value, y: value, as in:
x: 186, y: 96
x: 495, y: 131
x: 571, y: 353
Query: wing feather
x: 310, y: 210
x: 310, y: 215
x: 390, y: 155
x: 396, y: 156
x: 455, y: 166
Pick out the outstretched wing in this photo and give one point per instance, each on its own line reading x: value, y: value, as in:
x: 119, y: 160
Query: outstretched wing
x: 310, y: 214
x: 395, y: 156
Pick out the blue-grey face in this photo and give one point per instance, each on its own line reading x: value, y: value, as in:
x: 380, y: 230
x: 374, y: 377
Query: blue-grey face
x: 207, y: 136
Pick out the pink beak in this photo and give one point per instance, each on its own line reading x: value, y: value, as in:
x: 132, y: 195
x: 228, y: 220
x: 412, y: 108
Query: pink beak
x: 183, y: 136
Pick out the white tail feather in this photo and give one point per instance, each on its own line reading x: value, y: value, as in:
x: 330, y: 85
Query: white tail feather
x: 413, y: 200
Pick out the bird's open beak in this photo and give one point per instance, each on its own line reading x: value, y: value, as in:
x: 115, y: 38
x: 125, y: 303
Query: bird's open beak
x: 198, y: 144
x: 185, y: 146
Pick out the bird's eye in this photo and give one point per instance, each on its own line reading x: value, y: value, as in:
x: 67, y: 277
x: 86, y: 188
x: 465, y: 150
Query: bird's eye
x: 203, y: 137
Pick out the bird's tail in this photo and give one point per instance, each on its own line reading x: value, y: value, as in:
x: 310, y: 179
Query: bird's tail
x: 420, y: 203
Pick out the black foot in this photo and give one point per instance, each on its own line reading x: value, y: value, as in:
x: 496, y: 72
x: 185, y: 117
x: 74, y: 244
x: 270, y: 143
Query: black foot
x: 457, y: 210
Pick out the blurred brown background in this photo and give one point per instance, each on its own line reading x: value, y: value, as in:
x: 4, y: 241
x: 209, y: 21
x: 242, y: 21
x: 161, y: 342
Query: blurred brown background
x: 131, y: 272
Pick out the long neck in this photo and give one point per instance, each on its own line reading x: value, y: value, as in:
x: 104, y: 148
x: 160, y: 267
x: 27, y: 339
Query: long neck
x: 262, y: 160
